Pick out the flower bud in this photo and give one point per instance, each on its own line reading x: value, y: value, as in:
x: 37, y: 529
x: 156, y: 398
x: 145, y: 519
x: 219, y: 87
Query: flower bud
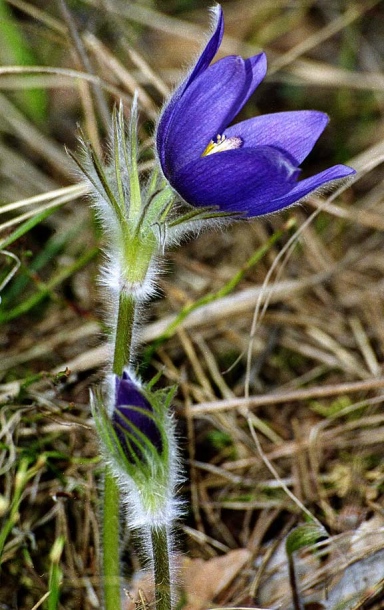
x: 138, y: 442
x: 133, y: 420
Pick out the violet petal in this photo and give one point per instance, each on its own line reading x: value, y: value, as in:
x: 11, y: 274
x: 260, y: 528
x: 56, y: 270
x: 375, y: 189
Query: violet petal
x: 127, y: 397
x: 236, y: 179
x: 295, y: 132
x: 202, y: 64
x: 210, y: 48
x: 207, y: 106
x: 309, y: 185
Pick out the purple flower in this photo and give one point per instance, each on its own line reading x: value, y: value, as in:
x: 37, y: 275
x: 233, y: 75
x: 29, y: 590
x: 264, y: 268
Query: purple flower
x: 251, y: 167
x: 133, y: 419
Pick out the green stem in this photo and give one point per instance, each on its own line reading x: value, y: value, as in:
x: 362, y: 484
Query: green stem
x: 111, y: 544
x: 159, y: 538
x: 124, y: 328
x: 111, y: 536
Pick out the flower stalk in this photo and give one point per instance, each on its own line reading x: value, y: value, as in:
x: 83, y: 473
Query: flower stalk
x: 161, y: 562
x: 123, y: 356
x: 124, y: 333
x: 111, y: 542
x: 111, y: 508
x: 132, y: 421
x: 159, y: 534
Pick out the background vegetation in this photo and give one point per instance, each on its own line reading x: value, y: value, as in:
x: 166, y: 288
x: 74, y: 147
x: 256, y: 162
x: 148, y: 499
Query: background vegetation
x: 297, y: 341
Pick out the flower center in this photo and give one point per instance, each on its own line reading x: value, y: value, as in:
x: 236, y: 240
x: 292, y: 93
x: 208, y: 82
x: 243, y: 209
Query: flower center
x: 222, y: 143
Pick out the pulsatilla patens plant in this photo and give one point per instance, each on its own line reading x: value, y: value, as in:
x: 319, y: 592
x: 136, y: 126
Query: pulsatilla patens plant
x: 206, y: 171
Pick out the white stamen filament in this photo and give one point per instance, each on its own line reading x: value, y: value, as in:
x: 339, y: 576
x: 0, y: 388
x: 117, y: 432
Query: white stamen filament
x: 222, y: 143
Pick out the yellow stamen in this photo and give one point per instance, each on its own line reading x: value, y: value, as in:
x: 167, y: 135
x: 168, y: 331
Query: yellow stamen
x: 222, y: 143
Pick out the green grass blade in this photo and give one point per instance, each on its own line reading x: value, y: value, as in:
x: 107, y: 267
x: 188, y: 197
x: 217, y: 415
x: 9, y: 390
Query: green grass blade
x: 15, y: 50
x: 47, y: 289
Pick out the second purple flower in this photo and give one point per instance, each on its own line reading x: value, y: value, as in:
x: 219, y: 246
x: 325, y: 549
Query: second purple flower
x: 134, y: 419
x: 251, y: 167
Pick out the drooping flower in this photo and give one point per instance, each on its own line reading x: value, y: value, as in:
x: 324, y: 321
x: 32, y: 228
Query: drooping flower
x: 134, y: 420
x: 251, y: 167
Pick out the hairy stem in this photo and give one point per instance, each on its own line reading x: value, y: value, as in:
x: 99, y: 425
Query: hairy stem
x: 124, y: 330
x: 160, y: 543
x: 111, y: 543
x: 111, y: 535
